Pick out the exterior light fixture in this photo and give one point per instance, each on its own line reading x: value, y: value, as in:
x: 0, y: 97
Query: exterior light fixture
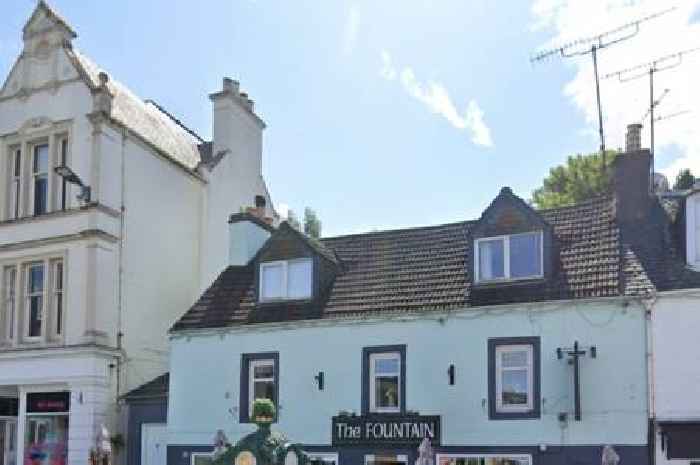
x: 451, y: 375
x: 69, y: 175
x: 319, y: 379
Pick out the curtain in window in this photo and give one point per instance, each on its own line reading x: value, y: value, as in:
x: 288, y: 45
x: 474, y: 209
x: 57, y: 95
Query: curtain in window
x: 491, y: 259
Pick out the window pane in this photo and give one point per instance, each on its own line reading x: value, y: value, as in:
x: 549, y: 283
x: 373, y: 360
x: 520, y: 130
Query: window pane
x: 36, y: 279
x: 272, y: 279
x: 41, y: 159
x: 514, y: 387
x: 41, y: 190
x: 46, y: 440
x: 263, y: 371
x: 202, y: 459
x: 17, y: 170
x: 264, y: 390
x: 35, y: 304
x: 386, y: 365
x: 387, y: 391
x: 299, y: 279
x: 514, y: 358
x: 491, y: 259
x: 525, y: 255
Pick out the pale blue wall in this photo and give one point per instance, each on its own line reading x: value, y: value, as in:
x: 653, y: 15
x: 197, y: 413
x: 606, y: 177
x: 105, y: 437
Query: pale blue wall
x: 614, y: 390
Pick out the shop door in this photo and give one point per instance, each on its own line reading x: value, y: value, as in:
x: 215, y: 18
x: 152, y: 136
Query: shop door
x: 8, y: 442
x: 153, y: 444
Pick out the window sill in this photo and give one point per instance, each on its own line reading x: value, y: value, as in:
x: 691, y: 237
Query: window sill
x: 507, y: 282
x: 505, y: 415
x: 263, y: 303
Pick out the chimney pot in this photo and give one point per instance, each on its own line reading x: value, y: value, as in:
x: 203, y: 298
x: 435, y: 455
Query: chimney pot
x: 633, y: 139
x: 230, y: 85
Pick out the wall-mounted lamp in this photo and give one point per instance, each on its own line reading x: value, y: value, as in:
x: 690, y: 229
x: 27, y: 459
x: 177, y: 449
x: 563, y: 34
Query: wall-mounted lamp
x: 69, y: 175
x: 451, y: 375
x: 319, y: 380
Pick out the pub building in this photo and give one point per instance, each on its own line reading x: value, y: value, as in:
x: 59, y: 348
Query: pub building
x: 517, y: 338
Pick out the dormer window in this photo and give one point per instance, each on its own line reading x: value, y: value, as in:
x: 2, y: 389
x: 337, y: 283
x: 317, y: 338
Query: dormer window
x: 510, y: 257
x: 286, y: 280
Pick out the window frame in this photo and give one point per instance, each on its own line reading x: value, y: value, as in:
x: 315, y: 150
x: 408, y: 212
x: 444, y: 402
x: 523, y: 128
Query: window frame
x: 379, y: 458
x: 323, y: 456
x: 34, y: 175
x: 245, y: 402
x: 10, y: 302
x: 28, y: 295
x: 15, y: 184
x: 506, y: 258
x: 368, y: 380
x: 195, y: 455
x: 285, y: 279
x: 440, y: 456
x: 57, y: 296
x: 252, y: 379
x: 529, y: 353
x: 496, y: 409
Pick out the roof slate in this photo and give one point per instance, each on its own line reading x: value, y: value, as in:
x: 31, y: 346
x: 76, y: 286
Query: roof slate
x: 425, y: 269
x: 155, y: 389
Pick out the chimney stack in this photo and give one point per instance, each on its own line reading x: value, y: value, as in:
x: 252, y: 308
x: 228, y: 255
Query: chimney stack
x: 633, y: 140
x: 631, y: 179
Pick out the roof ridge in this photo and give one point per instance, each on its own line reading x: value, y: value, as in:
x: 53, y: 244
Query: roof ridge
x: 397, y: 230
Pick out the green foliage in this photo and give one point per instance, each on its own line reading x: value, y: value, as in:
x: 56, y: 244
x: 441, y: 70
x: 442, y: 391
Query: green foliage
x: 580, y: 178
x: 263, y: 408
x: 684, y: 180
x: 312, y: 225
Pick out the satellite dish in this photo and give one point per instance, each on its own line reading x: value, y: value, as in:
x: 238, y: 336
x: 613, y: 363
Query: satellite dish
x: 660, y: 183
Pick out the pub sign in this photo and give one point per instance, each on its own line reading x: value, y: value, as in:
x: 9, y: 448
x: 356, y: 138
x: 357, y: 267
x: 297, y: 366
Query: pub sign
x: 385, y: 430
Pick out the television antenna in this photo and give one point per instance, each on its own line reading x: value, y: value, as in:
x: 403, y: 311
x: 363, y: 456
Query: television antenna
x: 650, y: 68
x: 591, y: 45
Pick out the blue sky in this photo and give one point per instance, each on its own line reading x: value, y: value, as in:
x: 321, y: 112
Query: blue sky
x: 380, y: 114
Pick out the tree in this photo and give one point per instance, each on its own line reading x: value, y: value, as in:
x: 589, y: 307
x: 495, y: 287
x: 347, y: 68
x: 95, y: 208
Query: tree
x: 293, y: 220
x: 684, y: 180
x: 312, y: 225
x: 580, y: 178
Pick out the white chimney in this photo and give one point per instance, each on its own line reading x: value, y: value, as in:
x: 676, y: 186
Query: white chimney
x: 633, y: 139
x: 237, y: 129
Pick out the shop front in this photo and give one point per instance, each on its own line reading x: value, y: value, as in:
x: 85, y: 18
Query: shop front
x: 46, y: 428
x: 9, y: 409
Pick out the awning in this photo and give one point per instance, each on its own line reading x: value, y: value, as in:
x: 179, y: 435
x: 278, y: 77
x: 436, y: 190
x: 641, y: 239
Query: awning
x: 681, y: 440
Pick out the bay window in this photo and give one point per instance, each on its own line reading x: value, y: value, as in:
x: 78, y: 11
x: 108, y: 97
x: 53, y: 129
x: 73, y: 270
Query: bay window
x: 510, y: 257
x: 286, y: 280
x: 32, y: 301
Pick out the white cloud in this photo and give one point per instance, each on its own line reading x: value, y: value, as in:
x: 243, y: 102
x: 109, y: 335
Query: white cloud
x: 625, y: 103
x: 435, y: 96
x: 352, y: 26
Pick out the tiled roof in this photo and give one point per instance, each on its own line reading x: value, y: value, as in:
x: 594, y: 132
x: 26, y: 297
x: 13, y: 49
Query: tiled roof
x: 425, y: 269
x: 155, y: 389
x: 144, y: 118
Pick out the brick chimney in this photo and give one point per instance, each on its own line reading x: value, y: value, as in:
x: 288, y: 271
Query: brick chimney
x: 631, y: 178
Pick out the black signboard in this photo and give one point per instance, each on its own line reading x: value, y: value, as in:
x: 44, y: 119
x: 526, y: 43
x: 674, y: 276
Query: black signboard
x: 48, y: 402
x: 385, y: 430
x: 9, y: 407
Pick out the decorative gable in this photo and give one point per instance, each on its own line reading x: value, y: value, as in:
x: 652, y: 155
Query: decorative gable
x: 508, y: 214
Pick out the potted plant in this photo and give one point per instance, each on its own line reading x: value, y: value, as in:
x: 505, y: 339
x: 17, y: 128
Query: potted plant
x: 263, y: 411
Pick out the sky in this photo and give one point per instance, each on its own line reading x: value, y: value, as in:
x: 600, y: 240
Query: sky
x: 396, y: 113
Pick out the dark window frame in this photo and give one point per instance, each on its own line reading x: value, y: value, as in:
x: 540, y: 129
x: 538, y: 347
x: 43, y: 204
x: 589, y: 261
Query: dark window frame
x: 244, y: 395
x: 493, y: 343
x: 366, y: 352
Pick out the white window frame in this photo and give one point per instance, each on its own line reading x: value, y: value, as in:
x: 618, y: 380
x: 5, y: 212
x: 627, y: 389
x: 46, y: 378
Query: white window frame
x: 526, y: 457
x: 372, y: 458
x: 58, y: 297
x: 195, y: 455
x: 323, y: 456
x: 506, y: 257
x: 27, y: 300
x: 252, y: 379
x: 34, y: 175
x: 373, y: 382
x: 14, y: 207
x: 285, y: 277
x: 9, y: 300
x: 529, y: 366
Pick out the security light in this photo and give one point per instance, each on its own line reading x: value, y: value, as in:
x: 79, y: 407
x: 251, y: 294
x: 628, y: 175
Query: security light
x: 69, y: 175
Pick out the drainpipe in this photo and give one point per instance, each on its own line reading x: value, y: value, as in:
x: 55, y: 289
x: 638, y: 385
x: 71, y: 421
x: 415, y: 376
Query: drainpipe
x: 120, y: 273
x: 649, y: 304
